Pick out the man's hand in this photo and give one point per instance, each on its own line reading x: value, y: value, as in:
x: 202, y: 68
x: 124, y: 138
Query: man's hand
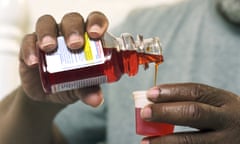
x: 215, y: 112
x: 72, y: 27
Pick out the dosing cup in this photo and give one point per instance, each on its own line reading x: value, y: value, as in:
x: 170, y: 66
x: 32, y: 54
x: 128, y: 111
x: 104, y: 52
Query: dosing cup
x: 147, y: 128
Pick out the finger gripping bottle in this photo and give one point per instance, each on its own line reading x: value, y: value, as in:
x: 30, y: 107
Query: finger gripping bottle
x: 101, y: 61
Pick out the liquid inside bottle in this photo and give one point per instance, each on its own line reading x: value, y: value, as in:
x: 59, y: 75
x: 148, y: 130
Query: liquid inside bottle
x: 101, y: 61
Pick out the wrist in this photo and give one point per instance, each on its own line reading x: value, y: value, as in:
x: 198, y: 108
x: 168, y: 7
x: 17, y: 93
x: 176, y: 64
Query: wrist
x: 37, y: 107
x: 26, y: 121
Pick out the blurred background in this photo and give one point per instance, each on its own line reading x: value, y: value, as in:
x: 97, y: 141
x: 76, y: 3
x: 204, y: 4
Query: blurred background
x: 18, y: 17
x: 115, y: 10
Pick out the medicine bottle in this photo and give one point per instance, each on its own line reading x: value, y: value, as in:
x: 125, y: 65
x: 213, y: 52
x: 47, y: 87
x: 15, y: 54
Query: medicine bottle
x: 101, y: 61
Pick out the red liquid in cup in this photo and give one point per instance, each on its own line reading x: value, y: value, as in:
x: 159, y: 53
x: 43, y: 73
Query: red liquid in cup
x: 151, y: 128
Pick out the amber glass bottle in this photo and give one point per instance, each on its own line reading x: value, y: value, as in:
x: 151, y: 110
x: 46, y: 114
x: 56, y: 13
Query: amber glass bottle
x: 101, y: 61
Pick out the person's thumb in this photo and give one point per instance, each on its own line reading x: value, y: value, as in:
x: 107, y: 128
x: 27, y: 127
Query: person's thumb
x: 94, y: 99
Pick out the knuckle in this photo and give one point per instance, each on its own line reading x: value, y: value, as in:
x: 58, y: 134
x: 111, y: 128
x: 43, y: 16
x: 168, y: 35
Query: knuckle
x: 28, y: 41
x: 191, y: 139
x: 186, y: 140
x: 25, y: 39
x: 72, y: 16
x: 72, y: 23
x: 197, y: 91
x: 46, y: 25
x: 97, y: 13
x: 28, y: 38
x: 45, y: 18
x: 97, y: 17
x: 192, y: 111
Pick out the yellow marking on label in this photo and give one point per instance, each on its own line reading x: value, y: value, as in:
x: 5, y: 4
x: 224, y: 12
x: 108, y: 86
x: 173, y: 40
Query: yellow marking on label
x: 87, y: 48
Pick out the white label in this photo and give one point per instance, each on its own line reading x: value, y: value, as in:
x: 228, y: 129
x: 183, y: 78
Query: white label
x: 63, y: 59
x: 78, y: 84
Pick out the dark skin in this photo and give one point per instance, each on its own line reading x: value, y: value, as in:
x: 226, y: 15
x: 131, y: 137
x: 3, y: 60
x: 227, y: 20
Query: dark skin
x: 72, y: 27
x: 26, y: 115
x: 215, y: 112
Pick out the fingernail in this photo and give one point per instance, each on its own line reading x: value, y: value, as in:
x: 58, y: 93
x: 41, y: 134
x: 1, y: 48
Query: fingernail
x: 146, y: 113
x: 32, y: 60
x: 94, y: 99
x: 101, y: 103
x: 75, y: 41
x: 145, y: 141
x: 95, y: 31
x: 100, y: 94
x: 153, y: 93
x: 48, y: 44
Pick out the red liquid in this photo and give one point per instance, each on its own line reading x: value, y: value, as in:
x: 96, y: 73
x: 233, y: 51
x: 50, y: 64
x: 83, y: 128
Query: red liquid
x: 120, y: 63
x: 155, y: 74
x: 151, y: 128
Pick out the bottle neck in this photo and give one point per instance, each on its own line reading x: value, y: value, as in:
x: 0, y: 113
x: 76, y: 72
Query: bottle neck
x: 126, y: 42
x: 135, y: 52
